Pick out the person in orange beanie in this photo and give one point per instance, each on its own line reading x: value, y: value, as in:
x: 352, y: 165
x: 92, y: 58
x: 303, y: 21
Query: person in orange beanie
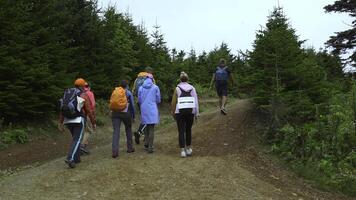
x: 75, y: 107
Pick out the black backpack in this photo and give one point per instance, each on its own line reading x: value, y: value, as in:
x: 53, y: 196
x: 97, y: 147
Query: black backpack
x: 185, y: 94
x: 69, y: 103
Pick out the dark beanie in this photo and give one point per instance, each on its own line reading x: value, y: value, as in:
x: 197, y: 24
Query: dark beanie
x: 123, y: 83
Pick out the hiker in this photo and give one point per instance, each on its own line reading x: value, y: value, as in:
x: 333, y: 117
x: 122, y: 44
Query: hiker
x: 141, y: 77
x: 221, y: 77
x: 149, y: 97
x: 75, y: 107
x: 122, y: 107
x: 185, y: 108
x: 88, y: 128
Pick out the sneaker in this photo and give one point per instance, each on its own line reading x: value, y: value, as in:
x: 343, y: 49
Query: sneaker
x: 150, y: 151
x: 137, y: 137
x: 189, y: 151
x: 183, y: 154
x: 131, y: 150
x: 223, y: 111
x: 70, y: 163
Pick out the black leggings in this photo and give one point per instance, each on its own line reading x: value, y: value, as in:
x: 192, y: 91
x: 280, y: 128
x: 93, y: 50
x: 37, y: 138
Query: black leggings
x: 185, y: 123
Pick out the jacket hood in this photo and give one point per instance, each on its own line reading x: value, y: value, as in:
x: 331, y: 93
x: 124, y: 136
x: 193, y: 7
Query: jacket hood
x: 185, y: 86
x: 148, y: 83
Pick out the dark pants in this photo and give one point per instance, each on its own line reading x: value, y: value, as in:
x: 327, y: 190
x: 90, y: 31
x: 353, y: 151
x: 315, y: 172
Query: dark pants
x: 77, y: 131
x: 221, y: 88
x: 149, y: 136
x: 141, y: 128
x: 117, y: 118
x: 185, y: 123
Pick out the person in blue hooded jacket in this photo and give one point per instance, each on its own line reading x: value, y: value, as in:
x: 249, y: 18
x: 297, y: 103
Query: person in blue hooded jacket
x: 149, y: 97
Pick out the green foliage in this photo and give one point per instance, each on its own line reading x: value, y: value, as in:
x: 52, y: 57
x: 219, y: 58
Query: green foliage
x: 12, y: 136
x: 344, y: 41
x: 311, y: 121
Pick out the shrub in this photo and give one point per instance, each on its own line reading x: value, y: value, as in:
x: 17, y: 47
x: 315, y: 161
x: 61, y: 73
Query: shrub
x: 12, y: 136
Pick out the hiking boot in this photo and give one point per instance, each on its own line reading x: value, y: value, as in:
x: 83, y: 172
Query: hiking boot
x: 223, y: 111
x: 131, y: 150
x: 183, y: 153
x: 70, y: 163
x: 145, y: 147
x: 115, y: 154
x: 84, y: 150
x: 137, y: 137
x: 189, y: 151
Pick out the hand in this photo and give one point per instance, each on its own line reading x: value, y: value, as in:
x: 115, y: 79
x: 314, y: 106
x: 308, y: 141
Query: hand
x: 196, y: 118
x: 61, y: 127
x: 94, y: 126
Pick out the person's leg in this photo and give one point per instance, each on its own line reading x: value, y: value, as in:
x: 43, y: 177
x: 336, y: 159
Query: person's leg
x: 128, y: 124
x: 77, y: 134
x: 181, y: 130
x: 150, y: 130
x: 224, y: 101
x: 189, y: 119
x: 224, y: 98
x: 140, y: 131
x: 218, y: 92
x: 87, y: 132
x: 146, y: 134
x: 79, y: 130
x: 220, y: 102
x: 70, y: 128
x: 116, y: 122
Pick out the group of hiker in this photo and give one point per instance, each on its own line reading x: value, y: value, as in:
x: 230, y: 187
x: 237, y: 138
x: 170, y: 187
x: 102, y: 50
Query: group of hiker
x: 78, y: 108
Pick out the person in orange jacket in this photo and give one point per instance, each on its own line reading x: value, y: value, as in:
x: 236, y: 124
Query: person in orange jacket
x: 89, y: 129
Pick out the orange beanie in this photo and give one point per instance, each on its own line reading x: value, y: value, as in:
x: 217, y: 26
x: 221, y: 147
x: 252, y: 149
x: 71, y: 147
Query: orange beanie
x: 80, y: 82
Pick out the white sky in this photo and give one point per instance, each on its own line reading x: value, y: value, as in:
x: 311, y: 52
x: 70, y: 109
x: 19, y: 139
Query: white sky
x: 204, y: 24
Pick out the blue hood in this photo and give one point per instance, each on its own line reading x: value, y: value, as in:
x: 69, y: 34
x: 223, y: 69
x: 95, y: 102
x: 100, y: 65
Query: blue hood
x: 148, y: 83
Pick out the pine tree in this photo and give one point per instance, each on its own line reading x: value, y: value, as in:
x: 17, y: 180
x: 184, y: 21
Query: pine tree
x: 344, y: 41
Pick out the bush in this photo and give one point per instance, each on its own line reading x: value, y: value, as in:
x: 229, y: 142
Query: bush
x: 12, y: 136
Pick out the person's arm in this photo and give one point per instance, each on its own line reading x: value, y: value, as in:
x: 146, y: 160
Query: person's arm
x: 131, y: 106
x: 87, y: 109
x: 174, y: 102
x: 194, y: 93
x: 60, y: 123
x: 139, y: 98
x: 134, y: 86
x: 212, y: 81
x: 231, y: 77
x: 94, y: 102
x: 158, y: 95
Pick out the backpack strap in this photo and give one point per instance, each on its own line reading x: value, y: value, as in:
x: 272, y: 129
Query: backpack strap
x: 184, y: 90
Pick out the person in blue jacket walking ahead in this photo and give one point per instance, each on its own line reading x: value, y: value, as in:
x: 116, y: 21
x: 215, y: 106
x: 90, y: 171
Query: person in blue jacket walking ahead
x: 149, y: 97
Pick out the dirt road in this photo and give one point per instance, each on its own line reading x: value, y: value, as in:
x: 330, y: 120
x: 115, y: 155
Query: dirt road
x: 226, y: 164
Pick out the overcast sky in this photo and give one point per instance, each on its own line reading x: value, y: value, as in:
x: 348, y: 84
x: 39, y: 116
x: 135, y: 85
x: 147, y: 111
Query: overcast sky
x: 204, y: 24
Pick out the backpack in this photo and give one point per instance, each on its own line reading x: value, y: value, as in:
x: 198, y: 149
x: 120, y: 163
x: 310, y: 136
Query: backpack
x: 139, y: 82
x: 221, y: 74
x: 118, y: 100
x: 185, y: 102
x: 69, y: 103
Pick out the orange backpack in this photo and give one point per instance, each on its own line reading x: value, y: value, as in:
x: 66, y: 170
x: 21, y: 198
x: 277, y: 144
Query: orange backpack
x: 118, y: 100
